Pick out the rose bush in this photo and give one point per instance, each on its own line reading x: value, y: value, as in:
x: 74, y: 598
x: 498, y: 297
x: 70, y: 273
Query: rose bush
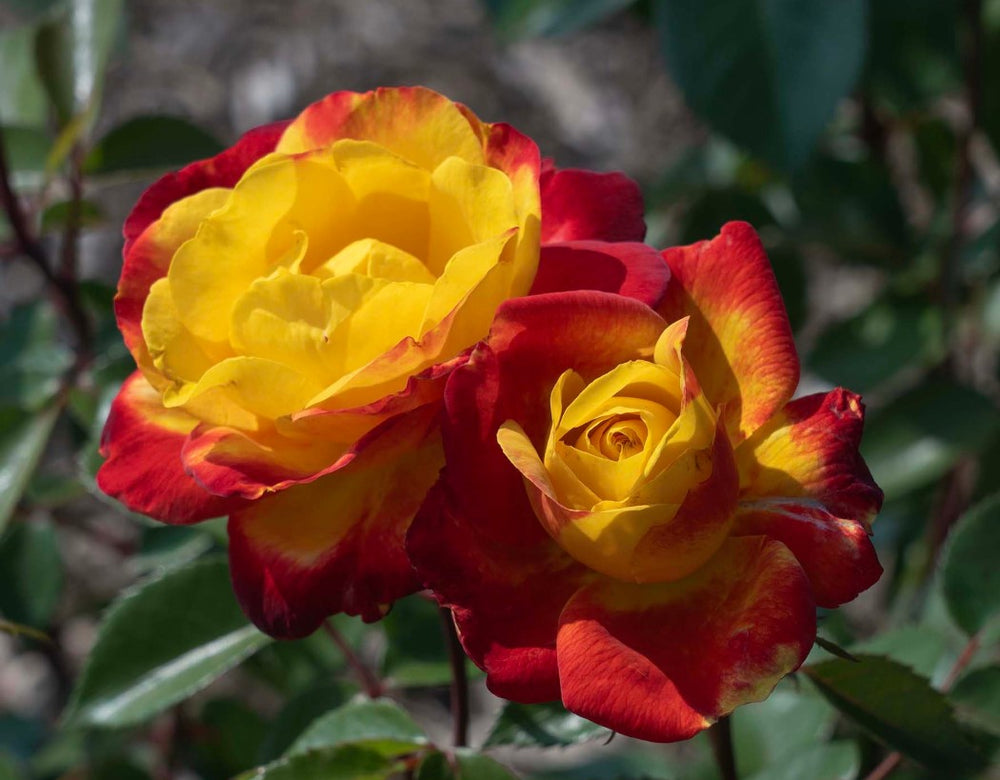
x: 294, y: 307
x: 634, y: 516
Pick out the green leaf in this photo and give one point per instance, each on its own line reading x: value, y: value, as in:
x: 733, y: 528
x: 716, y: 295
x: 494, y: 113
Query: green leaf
x: 160, y: 643
x: 169, y: 546
x: 26, y: 148
x: 72, y: 52
x: 22, y: 96
x: 381, y: 725
x: 893, y: 335
x: 789, y: 721
x: 920, y: 436
x: 467, y: 766
x: 835, y: 761
x: 31, y: 575
x: 226, y: 728
x: 150, y: 142
x: 853, y: 208
x: 8, y: 769
x: 913, y: 56
x: 970, y: 573
x: 57, y: 215
x: 416, y: 655
x: 524, y: 18
x: 977, y: 699
x: 541, y: 725
x: 346, y: 762
x: 22, y: 443
x: 898, y: 707
x: 298, y: 713
x: 767, y: 74
x: 921, y: 648
x: 32, y: 361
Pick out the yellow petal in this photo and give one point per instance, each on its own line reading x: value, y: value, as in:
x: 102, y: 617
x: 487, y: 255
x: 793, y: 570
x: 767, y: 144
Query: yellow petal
x: 636, y: 378
x: 371, y: 257
x: 174, y: 350
x: 244, y: 392
x: 468, y: 205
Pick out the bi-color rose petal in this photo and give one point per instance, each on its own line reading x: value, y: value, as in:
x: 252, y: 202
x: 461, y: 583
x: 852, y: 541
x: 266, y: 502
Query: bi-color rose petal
x: 336, y: 544
x: 142, y: 444
x: 804, y: 483
x: 662, y: 662
x: 739, y: 339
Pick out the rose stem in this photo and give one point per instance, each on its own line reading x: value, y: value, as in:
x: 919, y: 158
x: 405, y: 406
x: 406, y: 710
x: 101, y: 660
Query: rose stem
x: 721, y: 737
x: 891, y: 761
x: 459, y: 681
x: 62, y: 285
x: 371, y: 684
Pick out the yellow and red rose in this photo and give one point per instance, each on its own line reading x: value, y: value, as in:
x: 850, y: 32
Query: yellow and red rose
x: 295, y: 306
x: 635, y: 517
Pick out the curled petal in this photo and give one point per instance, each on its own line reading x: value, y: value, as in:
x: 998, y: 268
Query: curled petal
x: 581, y: 205
x: 306, y: 446
x: 630, y: 269
x: 804, y: 483
x: 142, y: 444
x: 662, y: 662
x: 739, y: 340
x: 336, y: 544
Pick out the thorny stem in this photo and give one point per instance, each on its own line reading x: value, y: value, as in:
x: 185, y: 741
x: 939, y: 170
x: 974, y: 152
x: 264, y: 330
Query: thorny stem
x: 721, y: 737
x: 371, y: 684
x: 888, y: 765
x: 62, y: 284
x: 459, y: 681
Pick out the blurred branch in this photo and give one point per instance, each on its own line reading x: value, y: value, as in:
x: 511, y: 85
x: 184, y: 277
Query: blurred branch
x: 371, y: 684
x: 459, y: 681
x: 971, y: 48
x: 888, y: 764
x: 63, y: 286
x: 956, y: 494
x: 721, y: 737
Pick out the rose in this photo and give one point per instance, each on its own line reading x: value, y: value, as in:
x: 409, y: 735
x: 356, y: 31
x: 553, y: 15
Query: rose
x: 634, y: 517
x: 294, y: 306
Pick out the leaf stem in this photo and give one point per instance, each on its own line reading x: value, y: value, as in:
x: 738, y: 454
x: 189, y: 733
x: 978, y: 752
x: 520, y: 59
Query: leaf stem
x: 721, y: 737
x: 369, y: 682
x: 459, y: 681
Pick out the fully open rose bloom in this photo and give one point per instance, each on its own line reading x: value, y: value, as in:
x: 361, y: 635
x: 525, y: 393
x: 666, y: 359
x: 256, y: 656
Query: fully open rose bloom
x: 294, y: 306
x: 634, y: 516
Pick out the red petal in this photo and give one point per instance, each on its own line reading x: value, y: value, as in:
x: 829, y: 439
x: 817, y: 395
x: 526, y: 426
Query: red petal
x: 626, y: 268
x: 336, y: 544
x: 661, y: 662
x: 506, y: 598
x: 579, y: 205
x: 739, y: 340
x: 142, y: 442
x: 804, y: 483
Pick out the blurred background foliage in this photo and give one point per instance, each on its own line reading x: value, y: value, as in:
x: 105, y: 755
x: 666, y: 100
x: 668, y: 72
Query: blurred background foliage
x: 860, y: 137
